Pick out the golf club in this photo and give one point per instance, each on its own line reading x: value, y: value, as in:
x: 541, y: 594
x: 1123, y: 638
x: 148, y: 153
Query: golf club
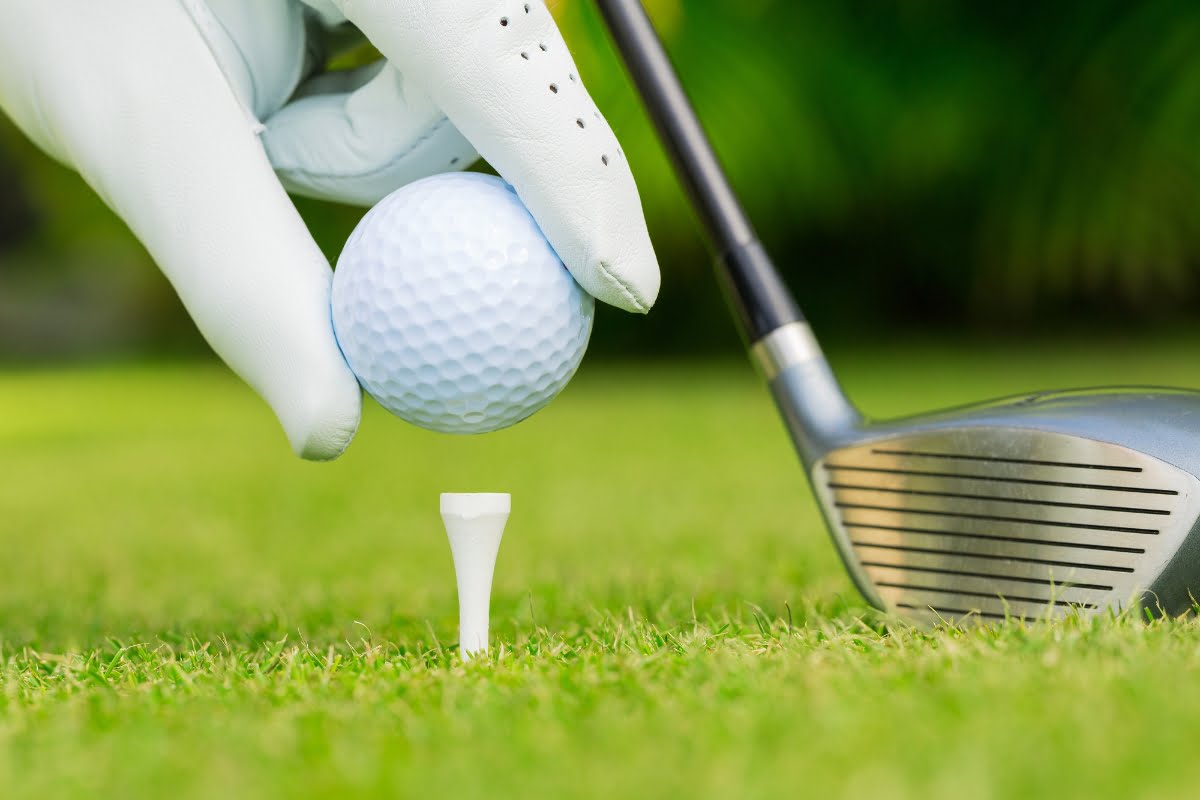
x: 1039, y: 506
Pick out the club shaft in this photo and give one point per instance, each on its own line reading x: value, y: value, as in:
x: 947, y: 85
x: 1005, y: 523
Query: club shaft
x: 813, y: 405
x: 759, y: 295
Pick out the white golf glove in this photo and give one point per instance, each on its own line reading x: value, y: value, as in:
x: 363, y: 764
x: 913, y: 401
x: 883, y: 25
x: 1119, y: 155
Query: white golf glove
x: 179, y: 114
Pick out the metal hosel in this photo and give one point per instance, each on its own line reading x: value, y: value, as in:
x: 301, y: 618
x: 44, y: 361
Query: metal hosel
x: 814, y: 407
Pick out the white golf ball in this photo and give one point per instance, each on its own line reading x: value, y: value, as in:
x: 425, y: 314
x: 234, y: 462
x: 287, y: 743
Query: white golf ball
x: 452, y: 308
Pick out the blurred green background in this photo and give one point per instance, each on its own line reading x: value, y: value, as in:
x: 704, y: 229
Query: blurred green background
x: 922, y: 165
x: 189, y: 610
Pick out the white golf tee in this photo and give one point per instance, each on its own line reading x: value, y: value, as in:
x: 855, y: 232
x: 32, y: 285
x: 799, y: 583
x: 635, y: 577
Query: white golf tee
x: 475, y: 524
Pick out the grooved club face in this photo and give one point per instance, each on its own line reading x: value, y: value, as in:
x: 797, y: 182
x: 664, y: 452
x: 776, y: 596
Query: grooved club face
x: 993, y: 522
x: 1056, y: 503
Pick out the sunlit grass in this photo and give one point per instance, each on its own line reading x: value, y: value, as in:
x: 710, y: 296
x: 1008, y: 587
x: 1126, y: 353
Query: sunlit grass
x: 187, y: 610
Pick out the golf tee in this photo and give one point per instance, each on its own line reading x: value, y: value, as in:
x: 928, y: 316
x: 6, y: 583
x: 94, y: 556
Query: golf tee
x: 475, y: 525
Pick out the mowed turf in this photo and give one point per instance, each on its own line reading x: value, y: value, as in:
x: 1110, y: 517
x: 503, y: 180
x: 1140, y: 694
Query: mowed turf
x: 188, y: 611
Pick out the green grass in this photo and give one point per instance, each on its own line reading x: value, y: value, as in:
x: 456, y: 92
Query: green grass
x: 186, y: 610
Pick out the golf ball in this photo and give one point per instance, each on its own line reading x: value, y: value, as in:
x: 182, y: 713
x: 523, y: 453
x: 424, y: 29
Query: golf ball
x: 452, y: 308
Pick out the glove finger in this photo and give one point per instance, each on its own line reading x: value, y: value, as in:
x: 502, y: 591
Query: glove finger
x: 502, y: 73
x: 187, y: 173
x: 357, y: 143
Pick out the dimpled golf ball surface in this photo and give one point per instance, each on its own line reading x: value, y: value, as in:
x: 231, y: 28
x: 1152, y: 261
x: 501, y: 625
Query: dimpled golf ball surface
x: 454, y: 311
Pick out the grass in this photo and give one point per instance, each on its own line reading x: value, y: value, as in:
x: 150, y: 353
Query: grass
x: 185, y: 609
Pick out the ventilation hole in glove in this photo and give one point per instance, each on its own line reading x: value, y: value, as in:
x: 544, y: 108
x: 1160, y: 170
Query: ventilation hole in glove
x: 504, y: 22
x: 579, y: 122
x: 525, y: 56
x: 454, y: 161
x: 572, y: 77
x: 554, y: 88
x: 604, y: 160
x: 527, y: 8
x: 542, y: 47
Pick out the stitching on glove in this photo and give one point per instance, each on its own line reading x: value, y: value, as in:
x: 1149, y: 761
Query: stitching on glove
x: 626, y: 292
x: 206, y: 22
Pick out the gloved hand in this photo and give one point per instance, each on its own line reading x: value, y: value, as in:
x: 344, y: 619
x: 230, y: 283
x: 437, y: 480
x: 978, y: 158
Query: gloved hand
x: 179, y: 114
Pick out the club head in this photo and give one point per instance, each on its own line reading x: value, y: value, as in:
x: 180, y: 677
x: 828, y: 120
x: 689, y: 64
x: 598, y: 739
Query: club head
x: 1052, y: 504
x: 1039, y: 506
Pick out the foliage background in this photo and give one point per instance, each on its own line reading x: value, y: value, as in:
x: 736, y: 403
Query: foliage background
x: 920, y: 164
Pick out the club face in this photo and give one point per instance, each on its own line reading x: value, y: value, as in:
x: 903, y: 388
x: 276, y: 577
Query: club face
x: 1021, y: 509
x: 1045, y: 506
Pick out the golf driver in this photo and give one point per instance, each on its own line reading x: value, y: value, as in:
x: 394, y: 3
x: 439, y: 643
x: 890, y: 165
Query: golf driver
x: 1038, y: 506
